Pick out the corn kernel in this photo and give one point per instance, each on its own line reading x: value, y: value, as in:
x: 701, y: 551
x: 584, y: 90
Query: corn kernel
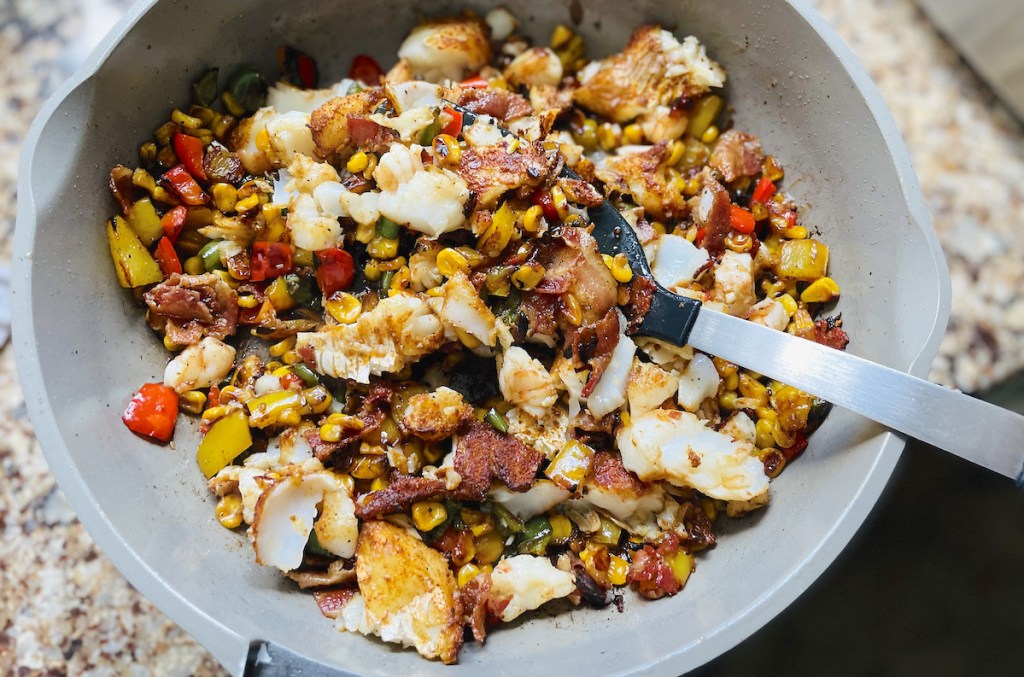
x: 765, y: 436
x: 676, y: 150
x: 767, y: 413
x: 358, y: 162
x: 528, y: 276
x: 489, y: 547
x: 710, y: 134
x: 561, y: 36
x: 821, y: 290
x: 450, y: 262
x: 248, y: 203
x: 788, y: 304
x: 291, y: 357
x: 608, y: 136
x: 225, y: 196
x: 344, y: 307
x: 368, y: 467
x: 740, y: 243
x: 379, y: 483
x: 192, y: 401
x: 618, y: 567
x: 531, y: 219
x: 560, y: 202
x: 365, y: 232
x: 753, y: 389
x: 561, y: 529
x: 795, y: 233
x: 607, y: 258
x: 692, y: 186
x: 280, y: 348
x: 400, y: 281
x: 185, y: 120
x: 620, y: 269
x: 428, y: 514
x: 447, y: 150
x: 229, y: 511
x: 731, y: 381
x: 727, y: 400
x: 467, y: 573
x: 231, y: 104
x: 383, y: 248
x: 572, y: 309
x: 171, y: 345
x: 633, y: 134
x: 213, y: 413
x: 248, y: 301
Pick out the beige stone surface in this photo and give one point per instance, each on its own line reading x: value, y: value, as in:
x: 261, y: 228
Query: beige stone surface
x: 65, y: 609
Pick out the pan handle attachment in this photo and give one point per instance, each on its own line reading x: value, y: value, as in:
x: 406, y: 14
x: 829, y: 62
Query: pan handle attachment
x: 266, y: 659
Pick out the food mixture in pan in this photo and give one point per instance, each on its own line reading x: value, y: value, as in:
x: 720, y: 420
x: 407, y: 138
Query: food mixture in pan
x: 415, y: 374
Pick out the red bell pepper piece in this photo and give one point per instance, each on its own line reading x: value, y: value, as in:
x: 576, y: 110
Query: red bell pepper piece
x: 167, y: 257
x: 791, y: 218
x: 152, y: 412
x: 366, y: 70
x: 543, y: 198
x: 173, y: 221
x: 182, y: 183
x: 189, y: 150
x: 473, y: 82
x: 764, y: 191
x: 701, y: 234
x: 741, y: 220
x: 270, y: 259
x: 336, y: 270
x: 453, y: 128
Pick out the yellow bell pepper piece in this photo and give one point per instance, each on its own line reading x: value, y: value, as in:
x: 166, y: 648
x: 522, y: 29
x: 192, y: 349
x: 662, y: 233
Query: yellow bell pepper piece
x: 571, y: 465
x: 802, y: 259
x: 134, y: 265
x: 223, y: 442
x: 144, y: 220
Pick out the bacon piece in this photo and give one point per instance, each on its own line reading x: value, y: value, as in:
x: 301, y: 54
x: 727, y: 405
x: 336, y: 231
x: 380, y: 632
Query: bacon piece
x: 189, y: 307
x: 500, y: 104
x: 641, y: 291
x: 367, y: 134
x: 491, y: 171
x: 580, y: 192
x: 573, y: 255
x: 332, y: 602
x: 401, y: 493
x: 372, y: 414
x: 712, y: 214
x: 539, y: 310
x: 592, y: 345
x: 829, y: 332
x: 483, y: 455
x: 737, y: 154
x: 473, y: 601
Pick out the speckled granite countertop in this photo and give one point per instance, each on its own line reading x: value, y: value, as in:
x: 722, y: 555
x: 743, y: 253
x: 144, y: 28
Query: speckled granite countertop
x: 65, y: 609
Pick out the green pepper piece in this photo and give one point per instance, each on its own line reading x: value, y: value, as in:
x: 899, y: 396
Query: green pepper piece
x: 306, y: 374
x: 205, y: 88
x: 497, y: 421
x: 313, y: 546
x: 248, y: 88
x: 509, y: 523
x: 535, y: 537
x: 300, y: 289
x: 210, y: 254
x: 387, y: 228
x: 428, y: 134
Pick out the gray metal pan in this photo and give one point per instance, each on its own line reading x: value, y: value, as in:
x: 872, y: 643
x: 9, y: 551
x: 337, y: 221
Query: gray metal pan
x: 82, y: 347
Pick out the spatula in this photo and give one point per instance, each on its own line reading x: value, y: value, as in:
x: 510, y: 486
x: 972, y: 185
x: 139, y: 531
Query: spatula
x: 970, y: 428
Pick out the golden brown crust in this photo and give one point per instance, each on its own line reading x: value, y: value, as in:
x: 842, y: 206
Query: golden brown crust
x: 644, y: 176
x: 329, y: 122
x: 491, y: 171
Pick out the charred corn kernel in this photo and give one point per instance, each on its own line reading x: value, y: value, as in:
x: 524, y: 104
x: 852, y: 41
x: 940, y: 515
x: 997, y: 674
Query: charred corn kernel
x: 358, y: 162
x: 229, y: 511
x: 171, y: 345
x: 795, y: 233
x: 765, y: 436
x: 788, y: 304
x: 586, y: 134
x: 740, y: 243
x: 621, y: 270
x: 379, y: 483
x: 428, y: 514
x: 692, y: 186
x: 561, y: 36
x: 752, y: 388
x: 489, y: 547
x: 767, y: 413
x: 383, y: 248
x: 724, y: 367
x: 147, y: 152
x: 192, y: 401
x: 608, y: 136
x: 400, y: 281
x: 331, y: 432
x: 676, y: 150
x: 571, y: 465
x: 193, y: 265
x: 731, y: 381
x: 367, y: 467
x: 467, y: 573
x: 681, y: 564
x: 214, y: 413
x: 618, y: 567
x: 281, y: 407
x: 782, y: 437
x: 759, y: 211
x: 344, y: 307
x: 248, y: 203
x: 820, y: 291
x: 248, y: 301
x: 560, y: 202
x: 185, y: 120
x: 371, y: 165
x: 531, y: 219
x: 447, y: 150
x: 291, y: 357
x: 450, y: 262
x: 633, y: 134
x: 318, y: 398
x: 528, y: 276
x: 497, y: 235
x: 572, y: 309
x: 225, y: 196
x: 281, y: 347
x: 561, y: 529
x: 710, y: 134
x: 365, y: 232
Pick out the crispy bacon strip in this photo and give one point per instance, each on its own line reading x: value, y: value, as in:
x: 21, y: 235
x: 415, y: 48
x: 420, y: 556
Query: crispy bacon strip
x: 714, y: 219
x: 473, y: 601
x: 500, y: 104
x: 592, y: 345
x: 573, y: 257
x: 641, y: 291
x: 332, y: 602
x: 189, y: 307
x: 737, y: 154
x: 401, y: 493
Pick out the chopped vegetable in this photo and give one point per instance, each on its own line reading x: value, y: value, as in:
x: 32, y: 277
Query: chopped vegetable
x: 184, y: 186
x: 802, y: 259
x: 741, y: 220
x: 335, y: 271
x: 134, y: 265
x: 189, y: 150
x: 366, y: 70
x: 144, y: 220
x: 269, y: 260
x: 764, y: 190
x: 204, y: 90
x: 223, y: 442
x: 167, y: 257
x: 247, y: 89
x: 152, y: 412
x: 173, y: 221
x: 297, y: 67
